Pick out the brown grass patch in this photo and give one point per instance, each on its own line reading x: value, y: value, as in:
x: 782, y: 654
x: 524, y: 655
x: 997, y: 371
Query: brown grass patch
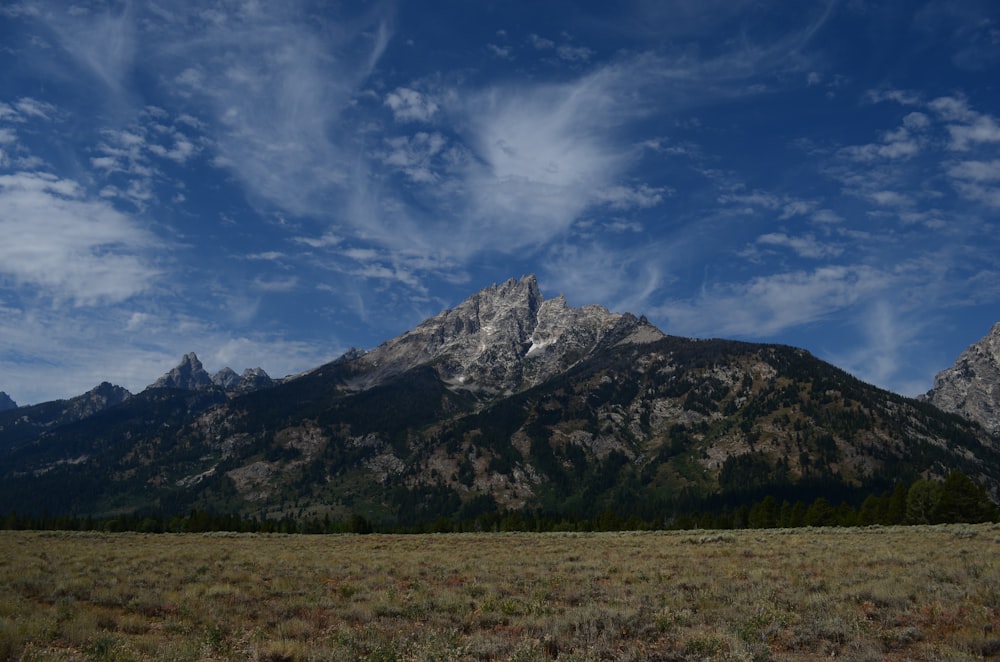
x: 877, y: 593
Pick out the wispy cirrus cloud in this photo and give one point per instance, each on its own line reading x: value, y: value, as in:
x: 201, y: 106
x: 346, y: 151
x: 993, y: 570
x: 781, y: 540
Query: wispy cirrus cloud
x: 767, y: 305
x: 807, y: 245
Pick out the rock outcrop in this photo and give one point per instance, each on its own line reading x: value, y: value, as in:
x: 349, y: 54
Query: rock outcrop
x: 501, y: 339
x: 189, y: 375
x: 971, y: 387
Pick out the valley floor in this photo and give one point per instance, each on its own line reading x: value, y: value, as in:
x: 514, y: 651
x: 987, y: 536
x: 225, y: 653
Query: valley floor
x: 862, y: 594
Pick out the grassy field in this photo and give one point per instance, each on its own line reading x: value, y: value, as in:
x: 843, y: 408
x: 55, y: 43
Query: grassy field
x: 861, y: 594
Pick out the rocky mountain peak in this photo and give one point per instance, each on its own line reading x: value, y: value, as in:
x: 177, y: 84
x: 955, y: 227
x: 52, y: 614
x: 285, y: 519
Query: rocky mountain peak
x: 971, y: 387
x: 99, y: 398
x: 6, y: 402
x: 227, y: 379
x: 189, y: 375
x: 503, y: 338
x: 254, y: 379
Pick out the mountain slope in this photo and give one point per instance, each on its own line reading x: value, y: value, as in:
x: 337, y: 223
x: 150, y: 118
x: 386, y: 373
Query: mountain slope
x: 971, y: 387
x: 507, y: 401
x: 20, y: 425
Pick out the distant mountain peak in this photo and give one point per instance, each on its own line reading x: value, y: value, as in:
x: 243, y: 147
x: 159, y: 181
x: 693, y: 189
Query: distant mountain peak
x: 190, y: 375
x: 502, y: 338
x: 971, y: 387
x: 6, y: 402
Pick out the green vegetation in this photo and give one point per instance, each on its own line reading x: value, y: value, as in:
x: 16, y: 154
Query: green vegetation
x: 955, y: 500
x: 897, y: 593
x: 672, y: 434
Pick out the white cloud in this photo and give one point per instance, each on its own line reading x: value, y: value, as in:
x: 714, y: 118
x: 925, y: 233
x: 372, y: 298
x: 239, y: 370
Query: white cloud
x: 325, y: 241
x: 768, y: 305
x: 31, y: 108
x: 589, y: 272
x: 273, y: 85
x: 415, y: 155
x: 624, y: 197
x: 541, y: 43
x: 275, y: 285
x: 502, y: 52
x: 103, y: 43
x: 574, y: 53
x: 976, y: 171
x: 410, y: 105
x: 902, y: 97
x: 982, y: 129
x: 805, y: 246
x: 977, y: 180
x: 70, y: 247
x: 889, y: 199
x: 886, y: 348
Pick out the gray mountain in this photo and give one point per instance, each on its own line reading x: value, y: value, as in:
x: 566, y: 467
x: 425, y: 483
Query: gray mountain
x: 253, y: 379
x: 971, y: 387
x: 189, y: 375
x: 6, y: 402
x: 502, y: 339
x: 505, y: 402
x: 227, y: 379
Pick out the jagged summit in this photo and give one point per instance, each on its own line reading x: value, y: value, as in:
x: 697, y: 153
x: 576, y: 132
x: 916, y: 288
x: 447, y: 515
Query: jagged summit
x: 503, y: 338
x: 191, y: 375
x: 971, y: 387
x: 6, y: 402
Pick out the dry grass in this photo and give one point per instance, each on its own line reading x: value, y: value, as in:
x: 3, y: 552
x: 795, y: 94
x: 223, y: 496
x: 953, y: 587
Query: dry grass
x: 894, y: 593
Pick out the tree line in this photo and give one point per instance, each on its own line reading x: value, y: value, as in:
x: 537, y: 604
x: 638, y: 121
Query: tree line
x: 955, y: 499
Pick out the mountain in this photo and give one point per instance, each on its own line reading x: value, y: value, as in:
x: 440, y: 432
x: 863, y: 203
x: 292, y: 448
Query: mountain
x: 501, y: 340
x: 190, y: 375
x: 6, y: 402
x: 21, y: 425
x: 507, y: 401
x: 971, y: 387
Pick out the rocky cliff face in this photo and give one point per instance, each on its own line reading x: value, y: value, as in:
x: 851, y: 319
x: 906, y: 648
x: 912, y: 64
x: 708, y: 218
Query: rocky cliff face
x: 971, y: 387
x: 189, y: 375
x: 501, y: 339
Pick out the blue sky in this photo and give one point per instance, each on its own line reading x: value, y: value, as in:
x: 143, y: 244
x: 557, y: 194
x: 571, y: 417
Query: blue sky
x: 268, y: 184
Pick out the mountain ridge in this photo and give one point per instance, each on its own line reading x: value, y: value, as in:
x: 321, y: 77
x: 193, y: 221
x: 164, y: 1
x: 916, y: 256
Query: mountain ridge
x: 507, y: 401
x: 485, y: 342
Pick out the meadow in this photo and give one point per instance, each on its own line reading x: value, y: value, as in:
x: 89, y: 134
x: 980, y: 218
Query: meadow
x: 877, y: 593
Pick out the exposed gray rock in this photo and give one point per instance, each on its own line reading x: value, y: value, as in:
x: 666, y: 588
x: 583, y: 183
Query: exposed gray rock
x: 227, y: 379
x: 254, y: 379
x: 6, y: 402
x: 503, y: 338
x: 190, y: 375
x: 971, y: 387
